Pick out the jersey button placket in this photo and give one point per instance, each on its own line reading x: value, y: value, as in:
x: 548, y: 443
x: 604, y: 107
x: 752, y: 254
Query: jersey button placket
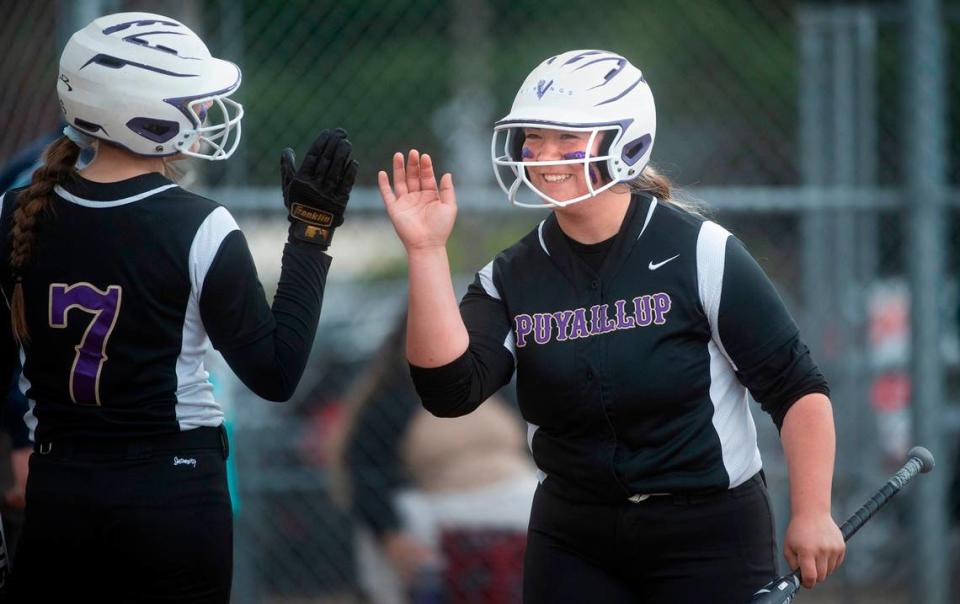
x: 595, y: 298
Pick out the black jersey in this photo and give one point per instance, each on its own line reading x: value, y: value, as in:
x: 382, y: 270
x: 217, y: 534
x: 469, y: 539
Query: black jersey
x: 125, y: 288
x: 634, y: 377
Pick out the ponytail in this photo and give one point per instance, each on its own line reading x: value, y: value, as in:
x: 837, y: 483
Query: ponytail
x: 59, y: 160
x: 657, y: 185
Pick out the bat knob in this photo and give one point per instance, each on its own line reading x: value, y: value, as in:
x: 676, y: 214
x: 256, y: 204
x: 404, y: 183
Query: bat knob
x: 780, y: 591
x: 925, y: 456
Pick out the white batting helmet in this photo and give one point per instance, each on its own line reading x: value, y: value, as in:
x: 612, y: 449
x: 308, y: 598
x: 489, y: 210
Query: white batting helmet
x: 582, y: 90
x: 145, y: 82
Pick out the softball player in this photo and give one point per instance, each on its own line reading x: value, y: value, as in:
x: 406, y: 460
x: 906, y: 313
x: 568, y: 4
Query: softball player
x: 636, y: 329
x: 119, y: 282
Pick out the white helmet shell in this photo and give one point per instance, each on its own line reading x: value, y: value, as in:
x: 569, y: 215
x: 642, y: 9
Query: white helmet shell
x: 145, y: 82
x: 582, y: 90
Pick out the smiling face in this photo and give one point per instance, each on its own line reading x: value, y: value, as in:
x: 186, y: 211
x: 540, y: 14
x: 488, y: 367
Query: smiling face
x: 562, y: 182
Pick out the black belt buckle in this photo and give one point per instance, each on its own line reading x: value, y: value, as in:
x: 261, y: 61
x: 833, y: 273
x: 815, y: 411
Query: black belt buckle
x: 224, y: 441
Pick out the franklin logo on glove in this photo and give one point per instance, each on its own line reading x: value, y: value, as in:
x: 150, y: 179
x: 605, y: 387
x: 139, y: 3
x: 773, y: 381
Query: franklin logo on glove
x: 316, y: 194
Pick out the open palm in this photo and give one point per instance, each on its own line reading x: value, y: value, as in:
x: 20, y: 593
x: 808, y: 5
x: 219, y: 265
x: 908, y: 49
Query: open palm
x: 422, y: 212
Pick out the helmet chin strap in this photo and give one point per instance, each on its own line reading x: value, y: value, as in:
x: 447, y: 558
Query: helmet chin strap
x: 514, y: 188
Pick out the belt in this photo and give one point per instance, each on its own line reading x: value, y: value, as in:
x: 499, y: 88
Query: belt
x: 638, y: 498
x: 197, y: 438
x: 687, y: 498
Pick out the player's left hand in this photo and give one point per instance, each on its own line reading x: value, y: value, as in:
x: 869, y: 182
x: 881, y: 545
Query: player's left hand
x: 815, y: 545
x: 407, y: 554
x: 316, y: 194
x: 15, y: 496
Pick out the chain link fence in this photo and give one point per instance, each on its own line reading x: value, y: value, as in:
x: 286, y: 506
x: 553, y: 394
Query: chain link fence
x: 795, y: 121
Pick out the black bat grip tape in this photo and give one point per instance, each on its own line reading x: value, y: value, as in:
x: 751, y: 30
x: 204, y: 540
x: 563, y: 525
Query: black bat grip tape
x: 881, y: 497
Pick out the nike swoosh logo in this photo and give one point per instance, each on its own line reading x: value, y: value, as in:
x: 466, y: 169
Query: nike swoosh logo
x: 654, y: 266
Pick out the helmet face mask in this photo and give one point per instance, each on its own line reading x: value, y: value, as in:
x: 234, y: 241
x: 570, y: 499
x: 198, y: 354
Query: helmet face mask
x: 216, y: 134
x: 146, y: 83
x: 591, y: 91
x: 509, y: 162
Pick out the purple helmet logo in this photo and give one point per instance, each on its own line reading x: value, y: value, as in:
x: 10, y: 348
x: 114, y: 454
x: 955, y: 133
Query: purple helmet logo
x: 542, y: 87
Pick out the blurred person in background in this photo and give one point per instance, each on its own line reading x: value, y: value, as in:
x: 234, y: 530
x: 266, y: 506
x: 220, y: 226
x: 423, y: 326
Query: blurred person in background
x: 119, y: 281
x: 15, y: 407
x: 636, y: 328
x: 18, y: 448
x: 953, y: 521
x: 19, y: 169
x: 442, y: 505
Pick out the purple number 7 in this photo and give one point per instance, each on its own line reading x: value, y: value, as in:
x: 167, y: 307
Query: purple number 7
x: 92, y: 350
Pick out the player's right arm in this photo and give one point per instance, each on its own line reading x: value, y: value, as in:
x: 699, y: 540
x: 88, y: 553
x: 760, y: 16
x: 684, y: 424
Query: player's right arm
x: 267, y: 347
x: 454, y: 368
x: 423, y: 215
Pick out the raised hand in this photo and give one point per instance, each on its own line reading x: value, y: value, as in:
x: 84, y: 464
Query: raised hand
x: 316, y: 194
x: 422, y: 212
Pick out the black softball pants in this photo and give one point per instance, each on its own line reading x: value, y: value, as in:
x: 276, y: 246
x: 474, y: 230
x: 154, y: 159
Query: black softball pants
x: 718, y: 548
x: 128, y: 523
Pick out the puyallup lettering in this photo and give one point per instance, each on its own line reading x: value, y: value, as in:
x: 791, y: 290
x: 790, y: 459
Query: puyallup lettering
x: 563, y: 325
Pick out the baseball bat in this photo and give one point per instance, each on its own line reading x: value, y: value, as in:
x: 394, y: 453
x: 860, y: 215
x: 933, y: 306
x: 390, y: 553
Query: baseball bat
x: 919, y: 461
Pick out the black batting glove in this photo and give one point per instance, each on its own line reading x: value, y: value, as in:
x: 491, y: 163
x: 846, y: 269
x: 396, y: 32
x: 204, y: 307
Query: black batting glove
x: 316, y: 194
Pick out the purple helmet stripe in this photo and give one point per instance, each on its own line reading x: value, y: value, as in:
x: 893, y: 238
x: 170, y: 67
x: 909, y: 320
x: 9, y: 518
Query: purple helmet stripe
x: 620, y: 60
x: 139, y: 41
x: 624, y: 124
x: 183, y: 103
x: 584, y: 54
x: 621, y: 64
x: 115, y: 63
x: 551, y: 60
x: 631, y: 87
x: 122, y: 26
x: 153, y: 33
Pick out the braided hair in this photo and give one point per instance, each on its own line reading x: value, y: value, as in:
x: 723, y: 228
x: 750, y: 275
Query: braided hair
x: 59, y: 160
